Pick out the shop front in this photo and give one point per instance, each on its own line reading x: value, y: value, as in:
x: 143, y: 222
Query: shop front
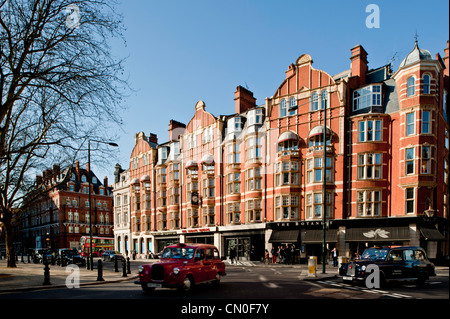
x: 249, y: 243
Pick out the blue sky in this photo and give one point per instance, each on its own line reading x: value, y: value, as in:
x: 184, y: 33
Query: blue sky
x: 182, y: 51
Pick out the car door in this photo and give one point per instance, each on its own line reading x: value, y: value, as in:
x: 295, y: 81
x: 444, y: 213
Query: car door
x: 394, y: 267
x: 199, y: 268
x: 409, y: 264
x: 210, y: 272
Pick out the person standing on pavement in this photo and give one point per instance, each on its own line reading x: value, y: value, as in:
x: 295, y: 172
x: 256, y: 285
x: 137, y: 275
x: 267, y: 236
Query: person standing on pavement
x: 266, y: 256
x: 274, y: 255
x: 335, y: 254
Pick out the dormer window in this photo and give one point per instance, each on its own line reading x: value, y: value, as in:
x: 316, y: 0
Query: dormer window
x: 366, y: 97
x: 255, y: 116
x: 83, y: 178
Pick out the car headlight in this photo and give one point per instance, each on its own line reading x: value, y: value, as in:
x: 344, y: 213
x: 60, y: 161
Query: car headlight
x: 363, y: 268
x: 176, y: 271
x: 140, y: 269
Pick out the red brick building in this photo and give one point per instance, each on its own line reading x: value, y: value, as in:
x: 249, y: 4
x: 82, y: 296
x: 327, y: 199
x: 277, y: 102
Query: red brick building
x: 255, y: 179
x: 61, y: 217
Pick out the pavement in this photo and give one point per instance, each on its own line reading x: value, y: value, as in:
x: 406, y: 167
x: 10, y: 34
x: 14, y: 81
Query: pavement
x: 29, y: 276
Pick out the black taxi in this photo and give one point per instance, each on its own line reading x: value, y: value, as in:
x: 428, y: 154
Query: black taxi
x: 394, y: 264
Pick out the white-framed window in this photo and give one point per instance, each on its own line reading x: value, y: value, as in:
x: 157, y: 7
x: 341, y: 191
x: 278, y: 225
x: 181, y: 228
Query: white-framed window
x: 426, y: 122
x: 324, y: 100
x: 286, y: 173
x: 367, y: 96
x: 208, y: 215
x: 233, y: 153
x: 425, y: 165
x: 369, y: 166
x: 253, y: 210
x: 234, y: 183
x: 292, y: 106
x: 208, y: 188
x: 253, y: 148
x: 314, y: 205
x: 370, y: 130
x: 314, y: 101
x: 234, y: 212
x: 410, y: 123
x: 411, y: 86
x: 286, y: 207
x: 254, y: 178
x: 426, y: 84
x: 410, y: 200
x: 283, y: 108
x: 409, y: 160
x: 368, y: 203
x: 314, y: 170
x: 255, y: 116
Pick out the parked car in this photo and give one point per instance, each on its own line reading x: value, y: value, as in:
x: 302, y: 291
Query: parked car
x: 182, y: 266
x: 69, y: 256
x: 41, y: 254
x: 395, y: 264
x: 111, y: 255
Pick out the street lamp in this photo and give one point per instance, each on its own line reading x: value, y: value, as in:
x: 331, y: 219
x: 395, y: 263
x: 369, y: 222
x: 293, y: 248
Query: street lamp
x: 324, y: 189
x: 91, y: 258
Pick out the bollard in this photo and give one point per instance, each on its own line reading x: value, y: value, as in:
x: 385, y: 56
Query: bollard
x: 46, y: 273
x: 28, y: 257
x: 116, y: 269
x: 124, y: 268
x: 128, y: 266
x: 312, y: 266
x: 22, y: 258
x: 100, y: 271
x: 88, y: 266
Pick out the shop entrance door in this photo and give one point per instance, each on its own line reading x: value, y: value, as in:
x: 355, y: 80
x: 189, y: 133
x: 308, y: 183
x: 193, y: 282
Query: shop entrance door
x: 242, y: 245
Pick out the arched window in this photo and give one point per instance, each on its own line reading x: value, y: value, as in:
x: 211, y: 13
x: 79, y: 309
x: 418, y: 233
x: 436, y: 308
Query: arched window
x: 324, y: 100
x: 314, y: 101
x: 426, y: 84
x: 411, y: 84
x: 283, y: 108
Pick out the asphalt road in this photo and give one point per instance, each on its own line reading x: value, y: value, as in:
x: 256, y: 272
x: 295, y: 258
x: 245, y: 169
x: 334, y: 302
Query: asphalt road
x: 259, y: 283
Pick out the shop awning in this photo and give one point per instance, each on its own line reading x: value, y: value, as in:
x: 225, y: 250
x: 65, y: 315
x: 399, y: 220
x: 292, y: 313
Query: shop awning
x: 374, y: 234
x: 431, y: 233
x: 284, y: 236
x: 315, y: 236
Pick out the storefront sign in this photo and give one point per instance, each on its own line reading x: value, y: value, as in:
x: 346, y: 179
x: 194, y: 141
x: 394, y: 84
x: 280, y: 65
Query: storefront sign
x: 197, y: 230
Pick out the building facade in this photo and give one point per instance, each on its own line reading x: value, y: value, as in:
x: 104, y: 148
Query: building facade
x: 367, y: 148
x: 61, y: 217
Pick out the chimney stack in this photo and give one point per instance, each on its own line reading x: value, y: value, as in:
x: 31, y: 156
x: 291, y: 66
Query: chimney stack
x: 244, y: 100
x: 175, y: 130
x: 359, y: 63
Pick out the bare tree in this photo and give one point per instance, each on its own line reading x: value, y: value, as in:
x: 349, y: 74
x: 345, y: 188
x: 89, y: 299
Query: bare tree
x: 60, y: 86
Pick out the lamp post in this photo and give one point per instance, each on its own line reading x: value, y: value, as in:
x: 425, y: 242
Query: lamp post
x: 324, y: 189
x: 91, y: 258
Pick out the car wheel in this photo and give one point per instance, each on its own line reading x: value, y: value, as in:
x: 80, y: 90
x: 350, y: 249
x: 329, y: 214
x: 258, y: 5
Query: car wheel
x: 187, y: 284
x: 217, y: 280
x: 420, y: 282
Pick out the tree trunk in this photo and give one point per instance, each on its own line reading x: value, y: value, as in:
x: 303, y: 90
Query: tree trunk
x: 9, y: 243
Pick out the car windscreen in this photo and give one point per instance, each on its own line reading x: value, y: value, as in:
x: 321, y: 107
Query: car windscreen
x: 178, y: 253
x: 374, y: 254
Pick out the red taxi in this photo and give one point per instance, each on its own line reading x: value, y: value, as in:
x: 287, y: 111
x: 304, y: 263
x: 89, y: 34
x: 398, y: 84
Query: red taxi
x: 183, y: 266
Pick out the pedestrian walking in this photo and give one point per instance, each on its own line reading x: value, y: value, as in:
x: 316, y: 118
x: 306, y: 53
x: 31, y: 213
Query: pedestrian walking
x: 233, y: 254
x: 266, y: 256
